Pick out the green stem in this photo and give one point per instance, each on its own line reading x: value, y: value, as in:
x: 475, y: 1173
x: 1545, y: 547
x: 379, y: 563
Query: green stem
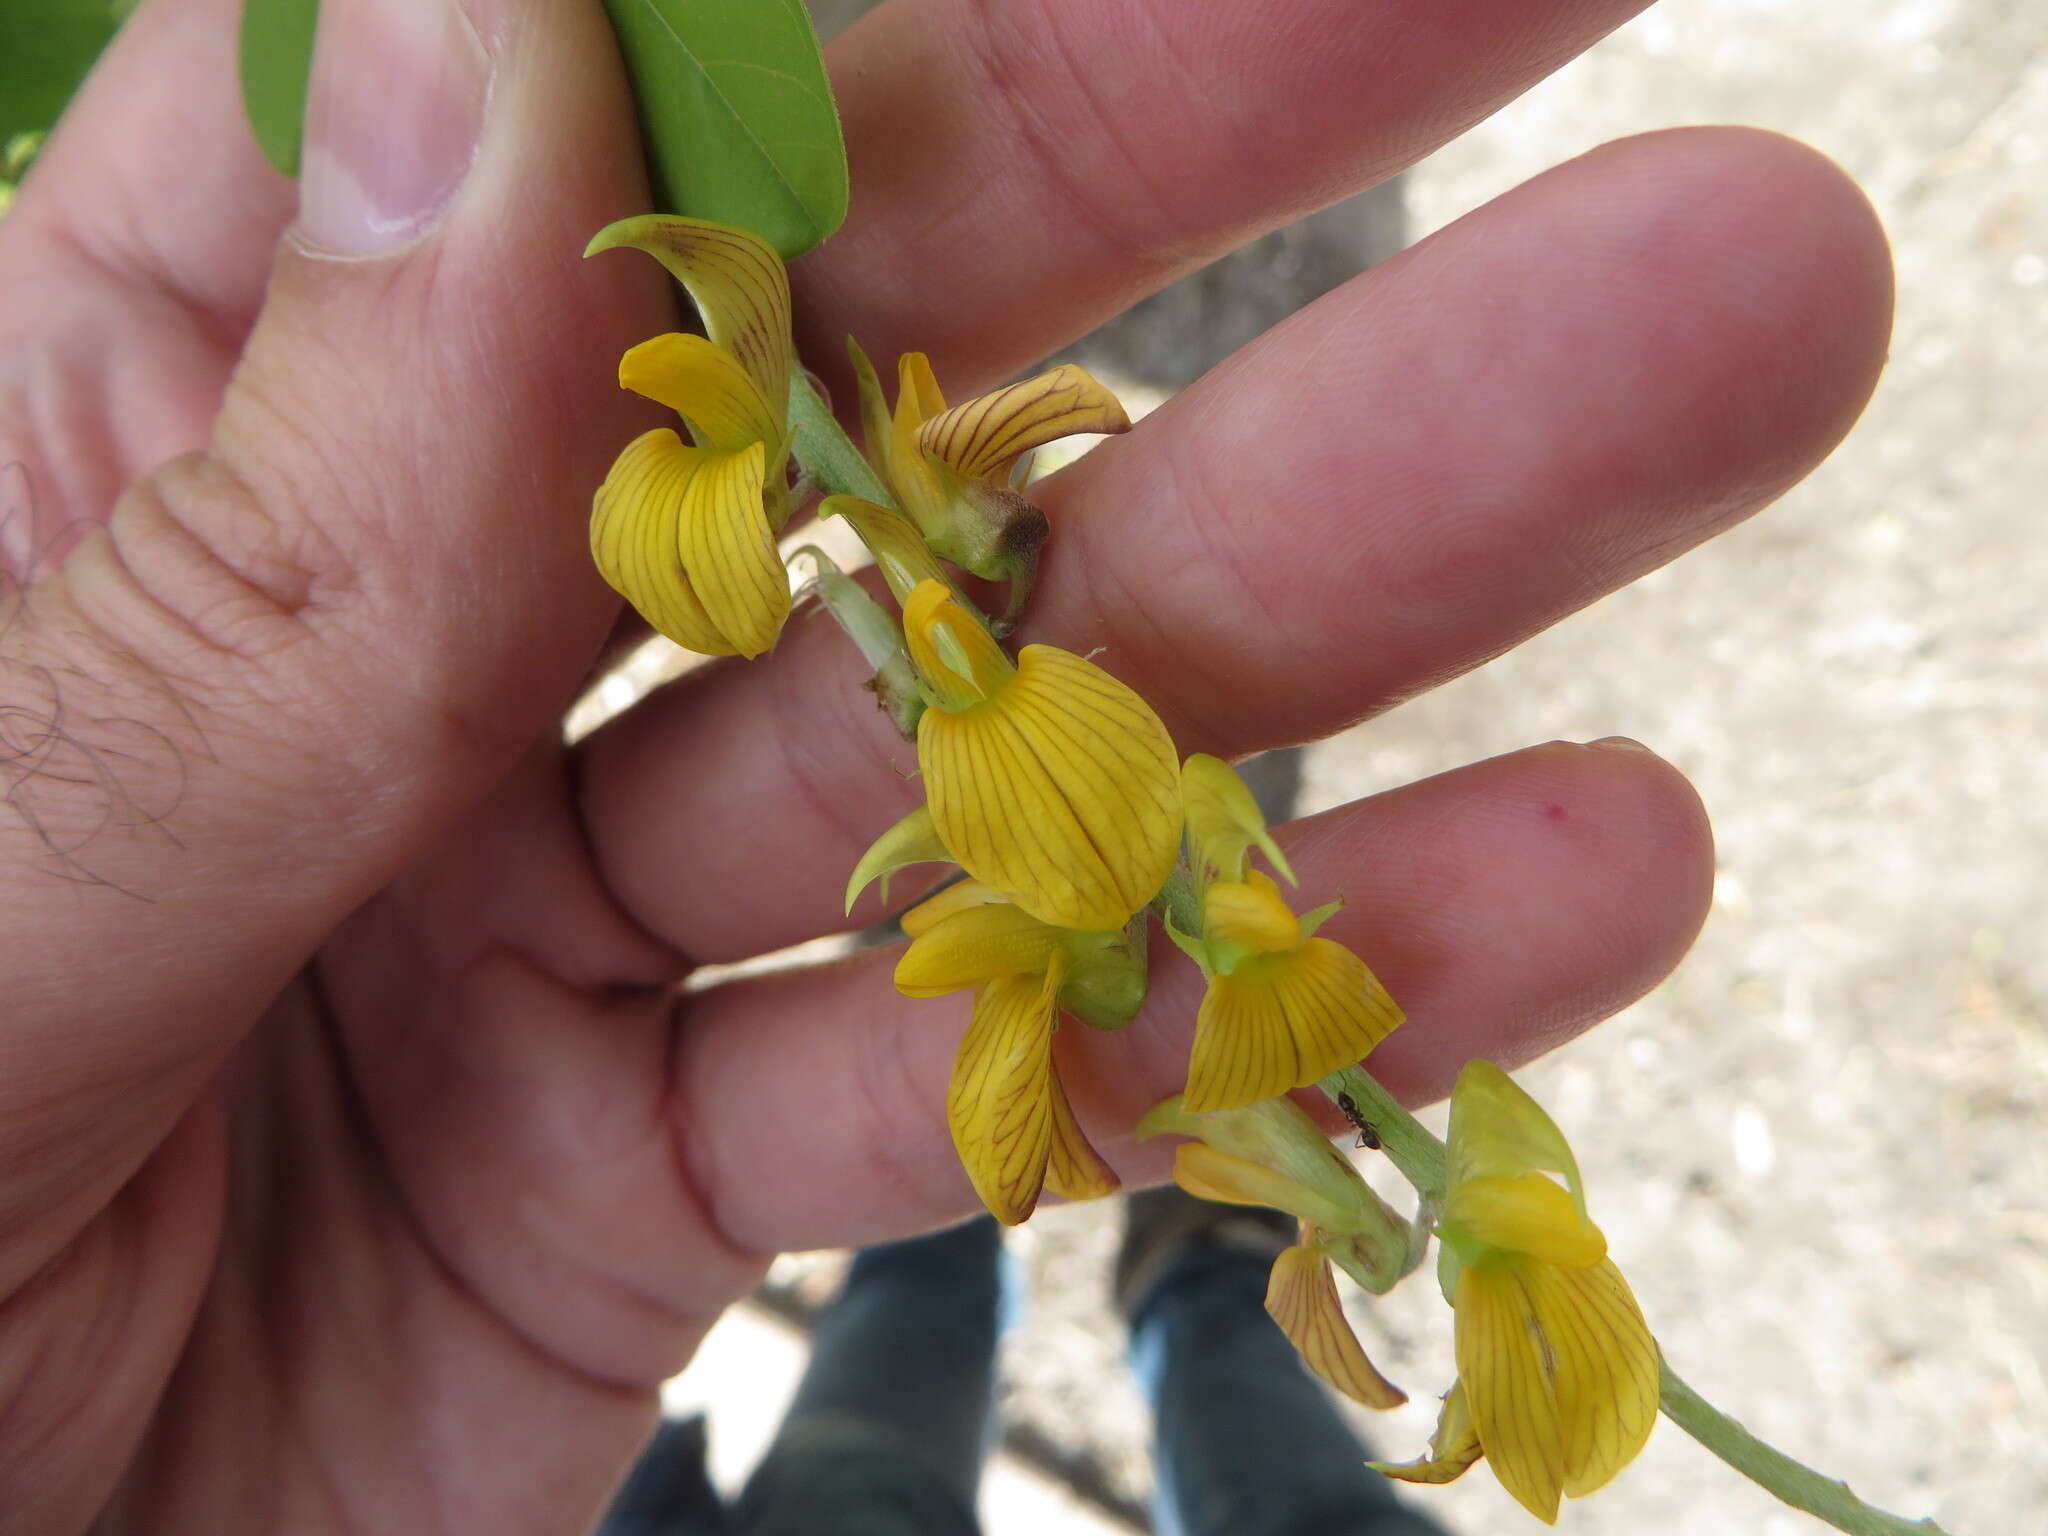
x: 1825, y: 1498
x: 1420, y: 1157
x: 1407, y: 1142
x: 827, y: 454
x: 1178, y: 902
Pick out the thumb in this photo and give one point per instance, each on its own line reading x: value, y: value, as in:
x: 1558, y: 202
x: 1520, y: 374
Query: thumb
x: 284, y: 663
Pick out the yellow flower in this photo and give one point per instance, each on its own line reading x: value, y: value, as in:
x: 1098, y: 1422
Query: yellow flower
x: 1047, y: 780
x: 1272, y: 1154
x: 686, y: 531
x: 1283, y: 1007
x: 1557, y: 1371
x: 1011, y: 1121
x: 950, y: 470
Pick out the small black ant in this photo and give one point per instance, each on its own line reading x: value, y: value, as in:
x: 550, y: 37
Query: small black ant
x: 1367, y: 1136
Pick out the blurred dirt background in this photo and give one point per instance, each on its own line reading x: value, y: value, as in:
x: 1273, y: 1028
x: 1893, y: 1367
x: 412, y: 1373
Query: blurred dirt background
x: 1819, y: 1150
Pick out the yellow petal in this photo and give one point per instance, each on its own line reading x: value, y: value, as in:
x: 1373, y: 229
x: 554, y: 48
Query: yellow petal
x: 1606, y: 1369
x: 999, y: 1103
x: 1283, y: 1021
x: 738, y: 284
x: 1061, y: 791
x: 729, y: 551
x: 1075, y: 1170
x: 680, y: 533
x: 1528, y: 1213
x: 975, y: 945
x: 1452, y: 1449
x: 1498, y: 1130
x: 958, y: 897
x: 957, y: 658
x: 920, y: 485
x: 1505, y: 1365
x: 1247, y: 915
x: 1208, y: 1174
x: 1224, y: 819
x: 1301, y: 1296
x: 705, y: 385
x: 983, y: 438
x: 917, y: 390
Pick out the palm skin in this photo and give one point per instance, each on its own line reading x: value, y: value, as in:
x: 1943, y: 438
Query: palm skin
x: 359, y: 1168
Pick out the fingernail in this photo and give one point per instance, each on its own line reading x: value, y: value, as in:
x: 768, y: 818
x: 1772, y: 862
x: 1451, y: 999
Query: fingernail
x: 1621, y: 744
x: 392, y: 116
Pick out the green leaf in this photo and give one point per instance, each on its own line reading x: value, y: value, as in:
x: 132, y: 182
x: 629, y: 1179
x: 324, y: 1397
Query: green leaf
x: 277, y: 59
x: 46, y: 47
x: 736, y: 116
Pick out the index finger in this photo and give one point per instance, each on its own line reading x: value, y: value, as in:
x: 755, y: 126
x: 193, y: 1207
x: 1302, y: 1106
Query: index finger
x: 1023, y: 172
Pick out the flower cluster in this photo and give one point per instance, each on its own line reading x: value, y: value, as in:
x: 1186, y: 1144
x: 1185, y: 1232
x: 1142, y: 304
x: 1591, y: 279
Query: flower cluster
x: 1058, y: 794
x: 1557, y: 1372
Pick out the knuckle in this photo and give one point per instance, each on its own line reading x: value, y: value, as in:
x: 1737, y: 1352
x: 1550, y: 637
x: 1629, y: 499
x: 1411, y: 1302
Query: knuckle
x: 194, y: 576
x: 173, y: 636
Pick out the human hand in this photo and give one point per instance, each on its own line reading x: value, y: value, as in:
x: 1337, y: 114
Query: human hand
x: 358, y: 1167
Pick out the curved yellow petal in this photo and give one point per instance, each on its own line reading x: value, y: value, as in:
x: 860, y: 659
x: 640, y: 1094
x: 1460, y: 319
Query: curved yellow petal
x: 1075, y: 1170
x: 1224, y: 819
x: 983, y: 438
x: 999, y: 1103
x: 635, y: 538
x: 1301, y: 1296
x: 1504, y: 1363
x: 976, y: 944
x: 1606, y: 1369
x: 1498, y: 1130
x: 1452, y: 1449
x: 706, y: 386
x: 1527, y: 1213
x: 738, y: 284
x: 1283, y: 1021
x: 729, y: 551
x: 1061, y: 790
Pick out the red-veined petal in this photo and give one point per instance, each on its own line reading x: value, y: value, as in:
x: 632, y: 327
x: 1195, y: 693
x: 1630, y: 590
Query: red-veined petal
x: 1301, y: 1296
x: 983, y: 438
x: 1283, y: 1021
x: 1507, y: 1368
x: 999, y: 1103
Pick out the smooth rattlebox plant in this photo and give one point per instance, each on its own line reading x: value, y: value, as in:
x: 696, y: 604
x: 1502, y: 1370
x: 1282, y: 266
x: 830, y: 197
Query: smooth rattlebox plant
x: 1057, y: 790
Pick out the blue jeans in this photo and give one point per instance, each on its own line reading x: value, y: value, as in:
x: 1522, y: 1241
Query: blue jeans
x: 1248, y: 1442
x: 889, y: 1428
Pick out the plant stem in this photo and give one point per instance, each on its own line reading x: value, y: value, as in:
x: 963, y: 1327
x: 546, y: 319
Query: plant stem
x: 827, y: 454
x: 1420, y: 1157
x: 1408, y: 1143
x: 1825, y: 1498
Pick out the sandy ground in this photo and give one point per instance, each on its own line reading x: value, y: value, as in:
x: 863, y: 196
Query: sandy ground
x: 1819, y: 1149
